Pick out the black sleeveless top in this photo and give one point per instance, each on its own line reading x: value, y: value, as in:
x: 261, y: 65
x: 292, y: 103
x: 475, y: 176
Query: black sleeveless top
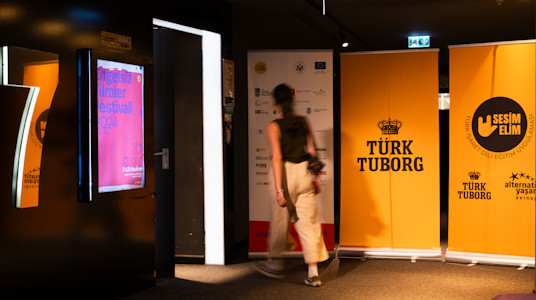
x: 293, y: 140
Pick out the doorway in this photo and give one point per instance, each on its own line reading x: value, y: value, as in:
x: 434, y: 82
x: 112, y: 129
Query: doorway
x: 188, y: 122
x: 179, y: 128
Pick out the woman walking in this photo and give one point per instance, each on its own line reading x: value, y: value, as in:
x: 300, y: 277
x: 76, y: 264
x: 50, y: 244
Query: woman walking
x: 291, y: 143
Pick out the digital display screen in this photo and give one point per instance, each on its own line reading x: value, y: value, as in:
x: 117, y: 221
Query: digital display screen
x: 120, y: 131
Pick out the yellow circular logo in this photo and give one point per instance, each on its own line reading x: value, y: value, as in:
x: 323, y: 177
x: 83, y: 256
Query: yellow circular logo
x: 139, y: 78
x: 260, y: 67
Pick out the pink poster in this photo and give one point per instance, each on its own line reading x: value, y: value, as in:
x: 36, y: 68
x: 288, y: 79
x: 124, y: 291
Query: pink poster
x: 120, y: 126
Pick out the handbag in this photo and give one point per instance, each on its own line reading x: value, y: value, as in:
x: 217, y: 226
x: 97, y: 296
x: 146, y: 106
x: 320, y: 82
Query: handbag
x: 314, y: 164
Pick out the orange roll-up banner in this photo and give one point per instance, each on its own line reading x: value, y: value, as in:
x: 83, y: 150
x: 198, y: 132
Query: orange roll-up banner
x: 45, y: 76
x: 390, y: 152
x: 492, y: 171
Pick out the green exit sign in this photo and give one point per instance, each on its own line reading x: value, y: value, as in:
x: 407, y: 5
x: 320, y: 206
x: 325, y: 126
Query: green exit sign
x: 422, y: 41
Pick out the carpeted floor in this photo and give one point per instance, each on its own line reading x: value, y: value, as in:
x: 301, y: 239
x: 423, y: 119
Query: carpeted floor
x: 353, y: 279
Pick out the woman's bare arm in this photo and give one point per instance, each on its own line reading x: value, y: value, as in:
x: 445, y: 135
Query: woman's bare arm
x: 274, y: 137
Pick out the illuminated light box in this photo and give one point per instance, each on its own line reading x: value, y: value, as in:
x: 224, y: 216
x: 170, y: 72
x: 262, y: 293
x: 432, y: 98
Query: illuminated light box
x: 422, y: 41
x: 111, y: 125
x: 120, y: 126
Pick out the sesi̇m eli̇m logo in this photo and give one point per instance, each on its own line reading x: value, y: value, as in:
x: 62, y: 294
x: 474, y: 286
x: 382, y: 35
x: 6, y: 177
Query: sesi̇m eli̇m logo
x: 498, y: 128
x: 388, y: 154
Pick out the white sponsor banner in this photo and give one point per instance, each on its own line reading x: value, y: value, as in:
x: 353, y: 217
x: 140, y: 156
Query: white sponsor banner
x: 310, y: 74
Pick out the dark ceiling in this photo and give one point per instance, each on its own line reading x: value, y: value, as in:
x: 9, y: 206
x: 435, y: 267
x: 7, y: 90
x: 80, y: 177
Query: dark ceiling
x: 386, y: 24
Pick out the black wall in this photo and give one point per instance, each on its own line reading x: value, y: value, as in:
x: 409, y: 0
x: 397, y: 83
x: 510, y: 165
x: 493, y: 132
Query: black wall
x: 107, y: 248
x: 65, y: 248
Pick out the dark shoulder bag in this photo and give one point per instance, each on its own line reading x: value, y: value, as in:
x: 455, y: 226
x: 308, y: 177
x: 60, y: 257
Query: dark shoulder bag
x: 314, y: 164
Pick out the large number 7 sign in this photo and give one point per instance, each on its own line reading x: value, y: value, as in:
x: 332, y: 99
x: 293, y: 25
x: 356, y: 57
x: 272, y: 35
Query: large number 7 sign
x: 38, y: 72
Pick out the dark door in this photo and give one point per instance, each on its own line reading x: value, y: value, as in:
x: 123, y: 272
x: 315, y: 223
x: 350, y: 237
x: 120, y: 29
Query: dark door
x: 178, y: 127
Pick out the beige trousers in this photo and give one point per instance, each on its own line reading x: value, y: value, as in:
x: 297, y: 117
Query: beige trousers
x: 299, y: 193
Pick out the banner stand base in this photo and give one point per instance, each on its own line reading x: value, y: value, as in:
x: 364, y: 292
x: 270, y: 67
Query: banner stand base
x: 391, y: 253
x: 364, y: 253
x: 417, y: 254
x: 286, y: 254
x: 490, y: 259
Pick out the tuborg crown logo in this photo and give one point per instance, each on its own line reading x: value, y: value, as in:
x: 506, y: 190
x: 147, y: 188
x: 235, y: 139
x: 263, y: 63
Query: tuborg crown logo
x: 389, y: 127
x: 389, y: 153
x: 473, y: 190
x: 474, y: 175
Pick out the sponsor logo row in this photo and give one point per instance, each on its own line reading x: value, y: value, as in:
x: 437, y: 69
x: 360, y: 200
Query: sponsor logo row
x: 299, y: 67
x: 521, y: 185
x: 308, y: 110
x: 262, y: 93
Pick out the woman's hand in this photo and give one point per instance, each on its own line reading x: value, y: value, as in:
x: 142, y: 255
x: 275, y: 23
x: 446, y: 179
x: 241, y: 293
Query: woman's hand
x: 281, y: 199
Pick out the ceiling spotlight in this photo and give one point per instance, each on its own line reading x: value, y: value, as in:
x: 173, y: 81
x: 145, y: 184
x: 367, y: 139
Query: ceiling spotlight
x: 344, y: 40
x: 499, y: 2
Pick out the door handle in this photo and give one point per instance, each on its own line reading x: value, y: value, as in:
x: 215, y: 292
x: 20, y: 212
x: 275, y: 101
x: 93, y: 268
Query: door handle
x: 165, y: 158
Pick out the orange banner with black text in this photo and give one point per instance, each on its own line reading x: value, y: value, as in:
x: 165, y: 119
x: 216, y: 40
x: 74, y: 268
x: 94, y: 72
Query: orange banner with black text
x: 390, y: 153
x: 46, y: 77
x: 492, y: 153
